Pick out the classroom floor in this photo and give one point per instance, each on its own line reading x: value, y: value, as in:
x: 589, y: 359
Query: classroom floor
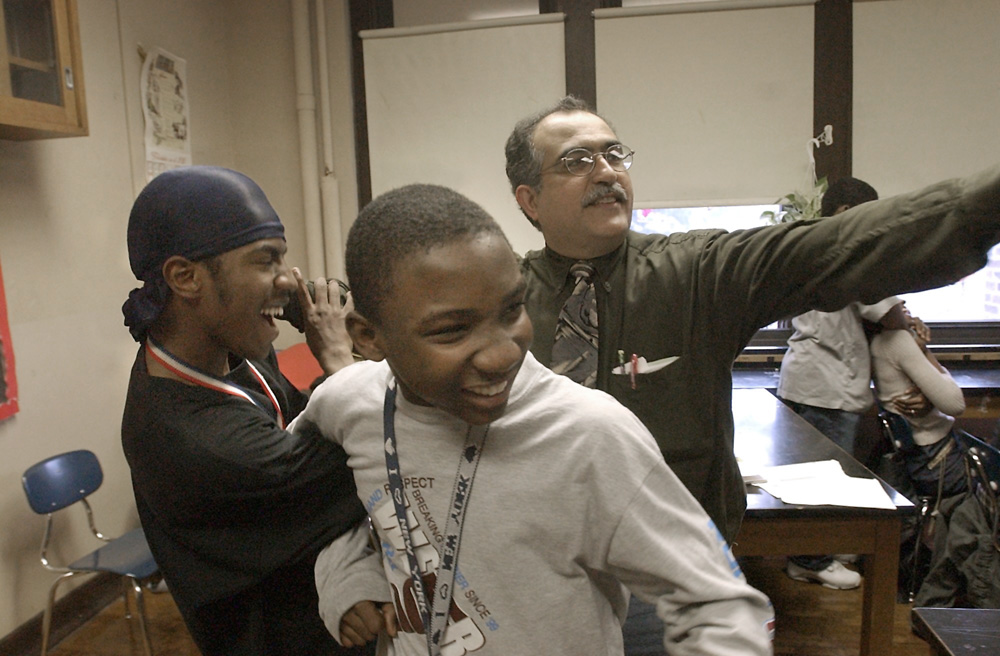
x: 811, y: 621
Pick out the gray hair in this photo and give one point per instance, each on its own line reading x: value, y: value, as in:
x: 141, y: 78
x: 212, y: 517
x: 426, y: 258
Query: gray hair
x: 524, y: 161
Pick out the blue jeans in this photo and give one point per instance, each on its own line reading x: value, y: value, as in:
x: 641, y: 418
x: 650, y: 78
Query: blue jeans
x: 840, y: 426
x: 643, y: 630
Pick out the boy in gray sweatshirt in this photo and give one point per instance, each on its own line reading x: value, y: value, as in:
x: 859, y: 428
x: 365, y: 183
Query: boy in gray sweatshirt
x: 515, y: 509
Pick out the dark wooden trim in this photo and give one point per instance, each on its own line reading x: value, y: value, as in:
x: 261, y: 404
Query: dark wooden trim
x: 581, y: 77
x: 581, y: 58
x: 71, y: 611
x: 972, y: 337
x: 833, y: 86
x: 364, y: 15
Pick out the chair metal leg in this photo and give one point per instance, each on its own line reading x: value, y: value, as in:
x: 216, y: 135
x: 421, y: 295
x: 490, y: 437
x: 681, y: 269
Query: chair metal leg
x: 126, y: 592
x: 925, y: 503
x: 140, y: 612
x: 47, y: 615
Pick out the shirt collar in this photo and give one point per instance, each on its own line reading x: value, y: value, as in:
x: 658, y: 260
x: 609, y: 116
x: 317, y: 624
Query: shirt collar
x: 603, y: 265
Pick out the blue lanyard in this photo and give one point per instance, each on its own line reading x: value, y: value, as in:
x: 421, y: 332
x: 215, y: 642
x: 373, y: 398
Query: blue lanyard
x: 433, y: 611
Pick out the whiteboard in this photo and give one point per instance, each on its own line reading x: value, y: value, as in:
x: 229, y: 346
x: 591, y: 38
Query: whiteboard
x: 926, y: 91
x: 443, y: 100
x: 718, y: 105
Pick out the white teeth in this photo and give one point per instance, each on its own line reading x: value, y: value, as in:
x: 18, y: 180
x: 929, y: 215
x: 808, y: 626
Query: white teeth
x: 491, y: 390
x: 604, y: 200
x: 271, y: 311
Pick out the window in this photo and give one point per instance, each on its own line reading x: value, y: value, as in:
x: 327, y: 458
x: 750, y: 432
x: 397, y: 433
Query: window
x: 679, y: 219
x: 975, y: 298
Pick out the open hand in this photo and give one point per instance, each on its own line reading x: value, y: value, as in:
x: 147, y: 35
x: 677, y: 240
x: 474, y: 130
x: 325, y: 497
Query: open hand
x: 912, y: 403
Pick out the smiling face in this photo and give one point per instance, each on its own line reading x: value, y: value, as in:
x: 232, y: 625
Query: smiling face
x: 244, y: 289
x: 581, y: 216
x: 454, y: 328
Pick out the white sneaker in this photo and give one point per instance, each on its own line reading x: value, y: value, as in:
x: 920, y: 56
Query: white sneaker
x: 835, y: 576
x: 158, y: 585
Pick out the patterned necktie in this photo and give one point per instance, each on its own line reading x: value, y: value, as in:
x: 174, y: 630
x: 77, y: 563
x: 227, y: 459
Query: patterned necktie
x: 574, y: 351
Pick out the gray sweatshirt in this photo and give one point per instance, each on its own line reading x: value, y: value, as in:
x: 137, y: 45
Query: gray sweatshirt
x: 572, y: 503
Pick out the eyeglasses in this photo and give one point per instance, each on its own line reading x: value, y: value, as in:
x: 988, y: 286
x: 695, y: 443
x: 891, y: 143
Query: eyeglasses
x: 581, y: 161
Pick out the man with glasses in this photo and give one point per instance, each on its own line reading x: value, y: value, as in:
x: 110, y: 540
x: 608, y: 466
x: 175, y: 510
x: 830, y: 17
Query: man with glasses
x: 673, y: 312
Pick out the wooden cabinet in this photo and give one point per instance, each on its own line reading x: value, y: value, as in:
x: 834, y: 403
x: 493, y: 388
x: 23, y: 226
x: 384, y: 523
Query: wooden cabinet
x: 41, y: 70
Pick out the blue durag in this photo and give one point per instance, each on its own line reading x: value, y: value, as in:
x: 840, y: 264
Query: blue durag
x: 195, y: 212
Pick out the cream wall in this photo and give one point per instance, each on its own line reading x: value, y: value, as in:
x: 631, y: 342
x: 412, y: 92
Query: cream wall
x: 64, y: 207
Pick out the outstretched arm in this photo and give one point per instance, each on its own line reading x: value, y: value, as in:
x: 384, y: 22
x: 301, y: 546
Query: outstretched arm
x: 919, y: 240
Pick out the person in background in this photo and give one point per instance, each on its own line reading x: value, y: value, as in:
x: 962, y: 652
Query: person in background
x: 235, y: 508
x: 512, y: 505
x: 685, y: 305
x: 934, y: 469
x: 901, y: 362
x: 826, y: 376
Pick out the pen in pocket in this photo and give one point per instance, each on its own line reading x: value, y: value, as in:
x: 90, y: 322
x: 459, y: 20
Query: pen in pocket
x: 641, y: 366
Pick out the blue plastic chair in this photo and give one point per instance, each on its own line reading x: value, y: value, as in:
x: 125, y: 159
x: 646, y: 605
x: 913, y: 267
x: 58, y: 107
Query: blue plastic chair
x: 61, y: 481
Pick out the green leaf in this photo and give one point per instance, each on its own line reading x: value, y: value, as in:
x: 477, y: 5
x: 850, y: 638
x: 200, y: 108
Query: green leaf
x: 796, y: 205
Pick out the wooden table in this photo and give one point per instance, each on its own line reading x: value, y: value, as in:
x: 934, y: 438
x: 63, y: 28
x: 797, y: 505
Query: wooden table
x: 952, y: 631
x: 770, y: 433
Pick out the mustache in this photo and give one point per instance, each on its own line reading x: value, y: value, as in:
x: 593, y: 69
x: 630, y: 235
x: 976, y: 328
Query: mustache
x: 602, y: 189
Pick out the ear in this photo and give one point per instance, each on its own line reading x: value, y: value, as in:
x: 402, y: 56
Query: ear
x: 184, y: 277
x: 365, y: 335
x: 527, y: 198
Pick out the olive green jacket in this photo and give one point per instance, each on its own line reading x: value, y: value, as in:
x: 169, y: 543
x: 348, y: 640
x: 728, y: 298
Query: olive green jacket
x: 701, y: 296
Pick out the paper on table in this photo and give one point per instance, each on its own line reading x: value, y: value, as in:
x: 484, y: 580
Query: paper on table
x: 752, y: 472
x: 823, y: 483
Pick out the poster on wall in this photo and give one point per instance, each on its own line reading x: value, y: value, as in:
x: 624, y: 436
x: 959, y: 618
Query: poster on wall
x: 8, y: 381
x: 165, y: 111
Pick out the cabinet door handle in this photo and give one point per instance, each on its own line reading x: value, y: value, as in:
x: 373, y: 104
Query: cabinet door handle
x: 68, y: 73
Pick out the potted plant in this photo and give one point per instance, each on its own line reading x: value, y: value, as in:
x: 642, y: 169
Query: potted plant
x: 796, y: 206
